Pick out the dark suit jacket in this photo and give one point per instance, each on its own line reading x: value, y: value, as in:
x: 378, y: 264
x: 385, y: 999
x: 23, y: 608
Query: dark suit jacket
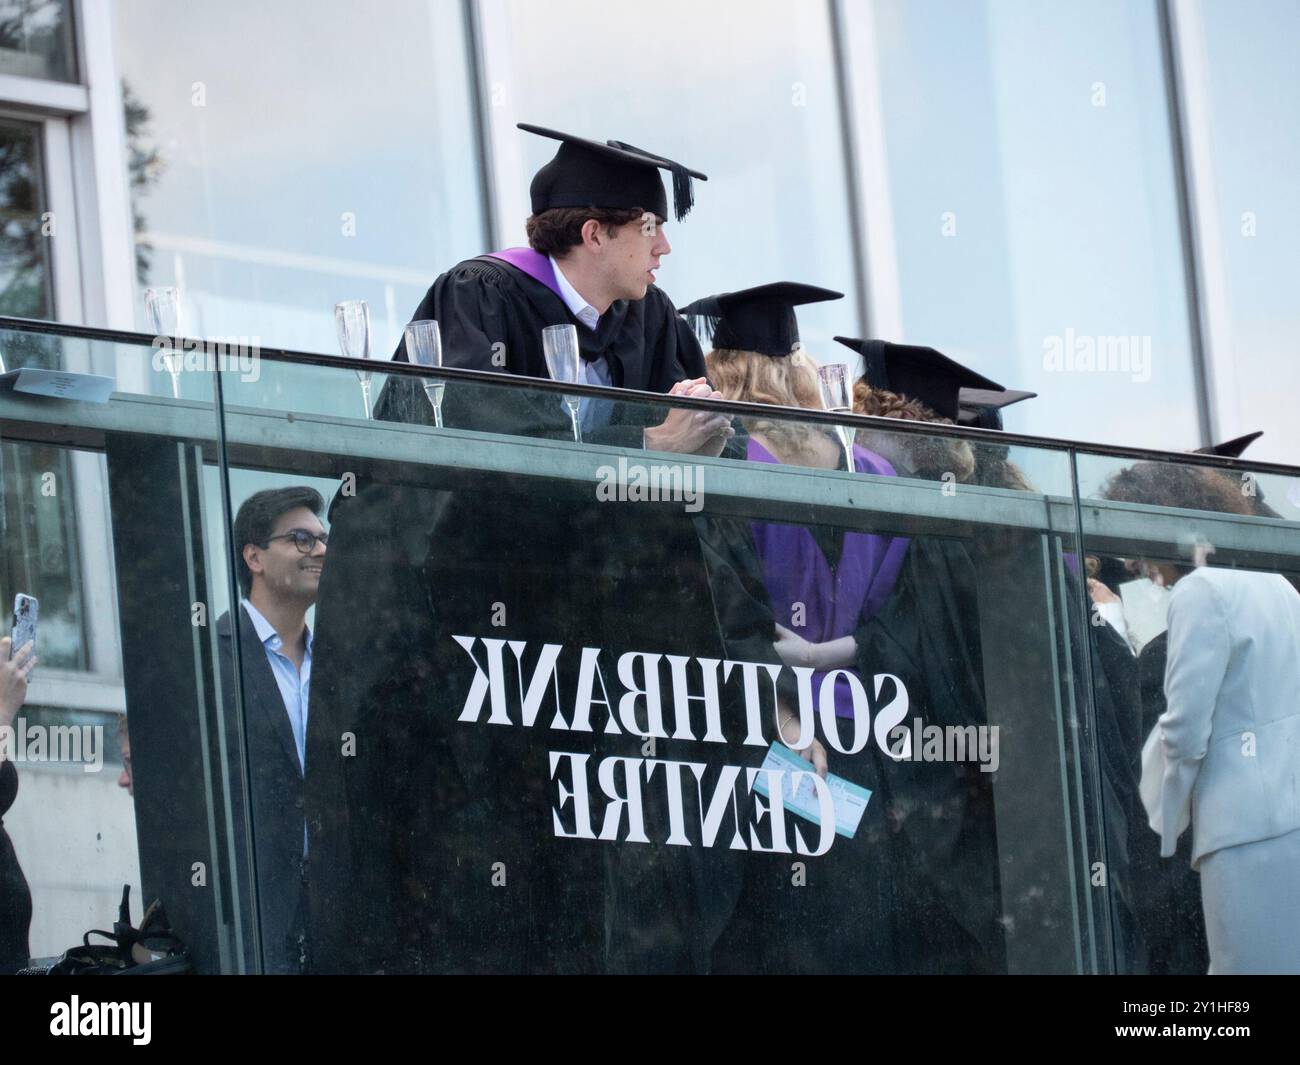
x: 276, y: 788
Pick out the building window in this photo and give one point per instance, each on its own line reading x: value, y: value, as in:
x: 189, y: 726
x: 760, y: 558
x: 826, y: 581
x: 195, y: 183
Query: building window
x: 1250, y: 88
x: 1032, y: 194
x: 36, y: 39
x: 26, y: 287
x: 37, y: 518
x: 297, y: 154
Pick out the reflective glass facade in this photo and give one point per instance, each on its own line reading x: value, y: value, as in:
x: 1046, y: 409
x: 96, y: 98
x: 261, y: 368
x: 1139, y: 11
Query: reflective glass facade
x: 543, y: 728
x: 1090, y: 201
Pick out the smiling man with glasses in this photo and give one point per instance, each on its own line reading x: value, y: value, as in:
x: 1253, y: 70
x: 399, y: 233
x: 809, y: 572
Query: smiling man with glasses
x: 280, y: 551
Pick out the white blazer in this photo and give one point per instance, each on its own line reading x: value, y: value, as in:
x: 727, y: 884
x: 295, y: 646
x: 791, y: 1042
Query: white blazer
x: 1225, y: 754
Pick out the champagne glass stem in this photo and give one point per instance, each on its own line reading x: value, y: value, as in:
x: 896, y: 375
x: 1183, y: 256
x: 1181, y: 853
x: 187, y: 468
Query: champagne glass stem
x: 434, y: 393
x: 577, y: 428
x: 365, y: 397
x: 172, y: 361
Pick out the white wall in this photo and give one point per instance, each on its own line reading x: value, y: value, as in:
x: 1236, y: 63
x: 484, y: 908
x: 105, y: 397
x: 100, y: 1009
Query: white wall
x: 74, y: 834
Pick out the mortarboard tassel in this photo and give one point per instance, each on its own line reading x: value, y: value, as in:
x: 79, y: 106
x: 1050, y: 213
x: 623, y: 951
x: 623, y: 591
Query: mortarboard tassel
x: 703, y: 317
x: 702, y: 325
x: 683, y: 190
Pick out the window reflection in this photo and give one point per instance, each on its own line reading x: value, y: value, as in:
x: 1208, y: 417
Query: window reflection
x: 1253, y: 87
x: 24, y: 249
x: 40, y: 556
x: 336, y: 160
x: 36, y: 39
x: 1032, y: 195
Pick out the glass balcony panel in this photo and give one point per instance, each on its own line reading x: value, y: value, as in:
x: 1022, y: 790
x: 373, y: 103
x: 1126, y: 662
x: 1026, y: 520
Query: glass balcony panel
x: 149, y: 798
x: 1193, y: 566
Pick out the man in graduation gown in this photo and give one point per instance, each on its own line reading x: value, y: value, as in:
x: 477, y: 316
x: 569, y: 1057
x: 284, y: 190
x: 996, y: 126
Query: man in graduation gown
x: 432, y: 841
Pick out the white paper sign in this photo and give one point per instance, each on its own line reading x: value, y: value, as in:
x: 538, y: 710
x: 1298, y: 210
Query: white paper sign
x: 61, y: 384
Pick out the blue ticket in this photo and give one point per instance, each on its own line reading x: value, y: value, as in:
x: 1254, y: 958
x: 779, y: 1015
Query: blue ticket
x: 850, y: 800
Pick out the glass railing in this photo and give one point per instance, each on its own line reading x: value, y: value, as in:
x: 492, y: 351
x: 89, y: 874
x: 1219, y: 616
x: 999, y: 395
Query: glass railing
x: 571, y: 700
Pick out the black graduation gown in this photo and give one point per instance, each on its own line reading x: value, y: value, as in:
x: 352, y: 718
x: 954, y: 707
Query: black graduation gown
x: 1117, y: 706
x: 412, y: 836
x: 1168, y: 890
x: 947, y: 879
x: 946, y: 812
x: 491, y: 316
x: 836, y: 914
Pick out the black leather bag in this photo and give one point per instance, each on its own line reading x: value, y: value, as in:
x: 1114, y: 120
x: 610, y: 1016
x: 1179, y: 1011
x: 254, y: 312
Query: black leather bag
x: 150, y: 950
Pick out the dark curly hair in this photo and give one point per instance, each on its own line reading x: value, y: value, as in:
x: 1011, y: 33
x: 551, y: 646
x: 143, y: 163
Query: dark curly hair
x: 556, y: 231
x: 1174, y: 484
x: 931, y: 456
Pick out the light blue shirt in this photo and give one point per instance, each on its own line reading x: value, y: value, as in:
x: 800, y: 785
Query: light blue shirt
x: 294, y: 684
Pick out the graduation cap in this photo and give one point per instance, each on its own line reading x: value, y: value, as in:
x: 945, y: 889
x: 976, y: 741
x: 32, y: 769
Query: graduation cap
x: 1231, y: 448
x: 982, y: 407
x: 919, y: 373
x: 756, y: 319
x: 586, y: 173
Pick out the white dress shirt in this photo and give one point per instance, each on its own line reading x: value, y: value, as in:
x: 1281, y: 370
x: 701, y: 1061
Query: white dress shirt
x: 582, y: 310
x: 594, y: 371
x: 1113, y: 614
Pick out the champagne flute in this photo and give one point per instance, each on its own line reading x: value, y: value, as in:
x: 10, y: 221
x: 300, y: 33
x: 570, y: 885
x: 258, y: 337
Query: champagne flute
x: 834, y: 381
x: 424, y: 348
x: 560, y: 346
x: 352, y: 319
x: 162, y: 308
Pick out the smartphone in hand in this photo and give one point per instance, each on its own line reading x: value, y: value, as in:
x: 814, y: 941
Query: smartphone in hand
x: 26, y: 610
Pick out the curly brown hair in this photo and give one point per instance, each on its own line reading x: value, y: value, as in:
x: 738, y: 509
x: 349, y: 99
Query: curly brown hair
x: 881, y: 403
x: 1173, y: 484
x: 931, y: 456
x: 558, y: 230
x: 982, y: 464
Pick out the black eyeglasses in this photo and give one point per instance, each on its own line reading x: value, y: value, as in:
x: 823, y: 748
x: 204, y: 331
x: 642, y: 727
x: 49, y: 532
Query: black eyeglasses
x: 303, y: 540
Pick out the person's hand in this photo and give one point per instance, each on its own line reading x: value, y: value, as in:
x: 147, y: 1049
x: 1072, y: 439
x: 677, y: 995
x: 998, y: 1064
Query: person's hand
x: 13, y: 679
x: 793, y: 649
x: 814, y: 753
x: 1100, y: 593
x: 689, y: 431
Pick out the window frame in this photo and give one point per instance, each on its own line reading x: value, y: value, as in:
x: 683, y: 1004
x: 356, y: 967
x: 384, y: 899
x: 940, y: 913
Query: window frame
x: 73, y: 133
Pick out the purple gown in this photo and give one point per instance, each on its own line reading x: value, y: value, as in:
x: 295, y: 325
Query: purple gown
x: 837, y: 600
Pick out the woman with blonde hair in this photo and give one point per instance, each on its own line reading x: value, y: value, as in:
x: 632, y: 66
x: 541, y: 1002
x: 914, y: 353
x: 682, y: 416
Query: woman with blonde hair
x: 799, y: 595
x: 757, y: 358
